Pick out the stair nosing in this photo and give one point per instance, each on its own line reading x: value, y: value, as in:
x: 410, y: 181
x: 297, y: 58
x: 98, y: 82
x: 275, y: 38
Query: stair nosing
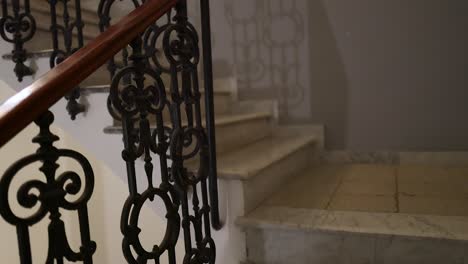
x: 40, y: 9
x: 86, y: 34
x: 225, y: 120
x: 106, y: 87
x: 383, y: 224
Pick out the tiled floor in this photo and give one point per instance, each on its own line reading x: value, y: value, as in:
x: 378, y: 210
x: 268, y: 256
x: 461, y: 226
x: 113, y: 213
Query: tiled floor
x: 379, y: 188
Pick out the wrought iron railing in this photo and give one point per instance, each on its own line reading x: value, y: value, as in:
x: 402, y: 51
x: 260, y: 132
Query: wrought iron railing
x: 18, y: 26
x: 185, y: 147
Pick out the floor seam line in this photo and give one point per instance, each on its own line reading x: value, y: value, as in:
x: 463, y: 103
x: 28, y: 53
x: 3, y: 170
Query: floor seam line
x: 397, y: 191
x: 332, y: 196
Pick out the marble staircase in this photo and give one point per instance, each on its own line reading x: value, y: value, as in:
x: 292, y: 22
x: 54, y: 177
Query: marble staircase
x: 293, y: 210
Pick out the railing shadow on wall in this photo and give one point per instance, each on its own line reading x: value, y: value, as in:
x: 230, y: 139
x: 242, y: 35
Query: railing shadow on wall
x: 267, y: 40
x: 287, y: 51
x: 132, y: 100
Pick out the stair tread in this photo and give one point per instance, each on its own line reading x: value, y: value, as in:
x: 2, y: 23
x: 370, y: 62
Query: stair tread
x: 250, y: 160
x: 88, y: 16
x: 220, y: 120
x: 369, y: 223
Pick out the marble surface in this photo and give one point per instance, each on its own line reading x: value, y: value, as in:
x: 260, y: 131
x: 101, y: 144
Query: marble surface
x: 407, y: 225
x: 269, y: 246
x: 250, y: 160
x: 350, y: 157
x: 288, y: 228
x: 459, y: 158
x: 436, y: 190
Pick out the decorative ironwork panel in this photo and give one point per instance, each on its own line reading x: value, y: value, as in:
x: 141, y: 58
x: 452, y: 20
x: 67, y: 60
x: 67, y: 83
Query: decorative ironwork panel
x: 49, y: 197
x: 138, y: 98
x: 120, y: 60
x: 150, y: 37
x: 18, y: 26
x: 67, y: 37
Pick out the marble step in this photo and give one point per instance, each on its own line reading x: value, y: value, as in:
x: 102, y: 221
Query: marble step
x: 41, y: 13
x: 232, y: 131
x: 264, y: 166
x: 222, y: 101
x: 280, y: 235
x: 42, y: 40
x: 89, y: 16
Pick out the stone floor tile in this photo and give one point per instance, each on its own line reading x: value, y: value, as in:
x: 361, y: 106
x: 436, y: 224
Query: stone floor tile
x: 368, y: 203
x: 444, y: 190
x: 300, y: 200
x: 433, y: 206
x: 369, y: 173
x: 380, y: 188
x: 431, y: 174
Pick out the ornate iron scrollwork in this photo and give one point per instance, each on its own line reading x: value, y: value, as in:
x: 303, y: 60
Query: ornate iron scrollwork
x: 18, y: 28
x: 49, y: 197
x: 104, y: 12
x: 68, y: 29
x: 138, y: 95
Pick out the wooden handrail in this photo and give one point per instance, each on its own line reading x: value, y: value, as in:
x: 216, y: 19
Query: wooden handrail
x: 26, y: 106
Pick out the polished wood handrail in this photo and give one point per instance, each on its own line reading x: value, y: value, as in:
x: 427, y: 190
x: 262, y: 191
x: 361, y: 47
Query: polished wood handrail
x: 26, y: 106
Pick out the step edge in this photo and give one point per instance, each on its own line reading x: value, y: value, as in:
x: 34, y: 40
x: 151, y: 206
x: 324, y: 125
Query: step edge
x: 216, y: 92
x: 39, y: 8
x: 237, y: 118
x: 386, y: 223
x: 111, y: 129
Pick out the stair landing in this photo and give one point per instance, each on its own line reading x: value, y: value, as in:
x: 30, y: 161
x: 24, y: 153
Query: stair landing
x: 356, y: 214
x: 379, y: 188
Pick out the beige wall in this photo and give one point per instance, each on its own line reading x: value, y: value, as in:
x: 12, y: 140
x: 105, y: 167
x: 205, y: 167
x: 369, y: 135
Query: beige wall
x: 380, y: 74
x: 405, y: 65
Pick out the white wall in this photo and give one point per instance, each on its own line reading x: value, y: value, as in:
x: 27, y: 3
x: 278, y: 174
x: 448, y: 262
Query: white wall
x: 109, y: 195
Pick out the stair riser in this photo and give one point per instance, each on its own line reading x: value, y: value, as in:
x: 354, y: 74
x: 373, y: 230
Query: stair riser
x: 234, y: 135
x: 42, y: 39
x: 231, y: 137
x: 283, y: 246
x: 222, y: 104
x: 257, y: 189
x: 222, y: 101
x: 41, y: 7
x: 90, y: 30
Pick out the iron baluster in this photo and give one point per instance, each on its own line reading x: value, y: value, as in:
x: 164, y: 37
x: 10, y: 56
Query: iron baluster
x: 18, y: 28
x: 137, y: 96
x: 189, y: 144
x: 50, y: 198
x: 136, y: 93
x: 104, y: 12
x: 210, y: 117
x: 63, y: 49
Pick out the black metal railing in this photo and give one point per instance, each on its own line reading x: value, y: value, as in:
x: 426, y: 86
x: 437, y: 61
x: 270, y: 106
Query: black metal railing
x: 49, y: 197
x: 64, y: 44
x: 18, y: 26
x: 158, y: 118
